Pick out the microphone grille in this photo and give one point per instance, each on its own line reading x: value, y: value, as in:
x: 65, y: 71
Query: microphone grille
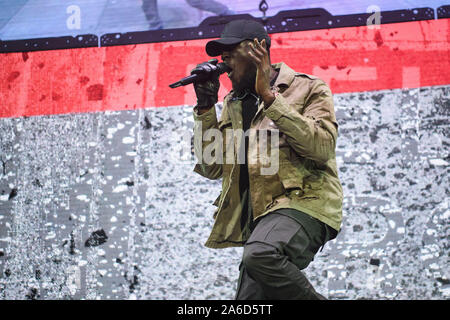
x: 223, y: 67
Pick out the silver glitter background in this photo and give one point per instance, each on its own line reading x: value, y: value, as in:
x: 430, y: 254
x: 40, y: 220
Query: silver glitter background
x: 106, y: 205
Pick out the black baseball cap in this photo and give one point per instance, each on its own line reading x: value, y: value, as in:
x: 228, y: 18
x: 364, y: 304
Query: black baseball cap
x: 234, y: 33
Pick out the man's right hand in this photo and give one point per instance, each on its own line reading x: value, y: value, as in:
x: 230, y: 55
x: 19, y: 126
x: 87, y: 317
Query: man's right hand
x: 206, y: 91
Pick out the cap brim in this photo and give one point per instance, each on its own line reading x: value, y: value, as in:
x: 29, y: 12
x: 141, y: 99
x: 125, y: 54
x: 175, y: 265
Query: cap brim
x: 215, y: 48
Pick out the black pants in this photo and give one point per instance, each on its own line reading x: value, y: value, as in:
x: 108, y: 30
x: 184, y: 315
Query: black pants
x: 278, y: 248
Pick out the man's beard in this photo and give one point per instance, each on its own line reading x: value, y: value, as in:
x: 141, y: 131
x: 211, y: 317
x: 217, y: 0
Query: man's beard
x: 247, y: 83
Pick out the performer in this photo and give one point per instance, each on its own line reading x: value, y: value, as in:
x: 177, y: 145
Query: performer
x: 282, y: 218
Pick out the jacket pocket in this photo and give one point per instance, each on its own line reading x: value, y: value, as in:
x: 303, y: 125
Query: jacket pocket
x: 313, y: 181
x: 224, y: 124
x: 296, y: 178
x: 291, y: 175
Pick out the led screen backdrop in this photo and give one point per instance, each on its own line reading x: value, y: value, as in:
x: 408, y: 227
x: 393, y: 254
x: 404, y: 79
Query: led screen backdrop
x: 98, y: 199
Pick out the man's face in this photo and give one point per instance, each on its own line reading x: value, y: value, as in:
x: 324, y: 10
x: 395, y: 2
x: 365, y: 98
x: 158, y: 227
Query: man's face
x: 243, y: 73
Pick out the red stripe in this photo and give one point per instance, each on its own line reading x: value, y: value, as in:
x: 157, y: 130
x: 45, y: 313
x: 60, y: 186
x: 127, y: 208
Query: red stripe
x: 411, y: 54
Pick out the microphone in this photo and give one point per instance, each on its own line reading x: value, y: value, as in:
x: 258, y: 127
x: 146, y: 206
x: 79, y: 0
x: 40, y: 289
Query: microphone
x: 203, y: 75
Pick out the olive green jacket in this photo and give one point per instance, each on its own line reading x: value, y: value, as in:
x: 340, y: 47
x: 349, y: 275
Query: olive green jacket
x: 302, y: 117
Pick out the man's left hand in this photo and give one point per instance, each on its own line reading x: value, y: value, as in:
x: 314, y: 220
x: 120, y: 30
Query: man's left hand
x: 260, y: 58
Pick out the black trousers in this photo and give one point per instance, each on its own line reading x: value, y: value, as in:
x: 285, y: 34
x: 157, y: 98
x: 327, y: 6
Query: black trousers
x: 278, y: 248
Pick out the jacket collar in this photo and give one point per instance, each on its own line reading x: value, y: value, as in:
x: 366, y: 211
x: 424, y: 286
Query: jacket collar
x: 285, y: 76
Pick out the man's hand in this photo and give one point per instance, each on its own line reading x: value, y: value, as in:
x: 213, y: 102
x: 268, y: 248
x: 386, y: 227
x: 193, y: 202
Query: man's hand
x: 206, y: 91
x: 260, y: 58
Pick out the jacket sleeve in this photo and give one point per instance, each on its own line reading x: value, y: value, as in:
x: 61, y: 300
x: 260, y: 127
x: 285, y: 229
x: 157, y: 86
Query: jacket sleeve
x: 312, y: 130
x: 202, y: 123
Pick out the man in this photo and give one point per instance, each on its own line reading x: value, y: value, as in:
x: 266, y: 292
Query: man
x: 284, y: 217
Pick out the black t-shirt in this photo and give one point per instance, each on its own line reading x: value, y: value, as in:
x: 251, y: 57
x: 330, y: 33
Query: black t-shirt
x: 249, y: 108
